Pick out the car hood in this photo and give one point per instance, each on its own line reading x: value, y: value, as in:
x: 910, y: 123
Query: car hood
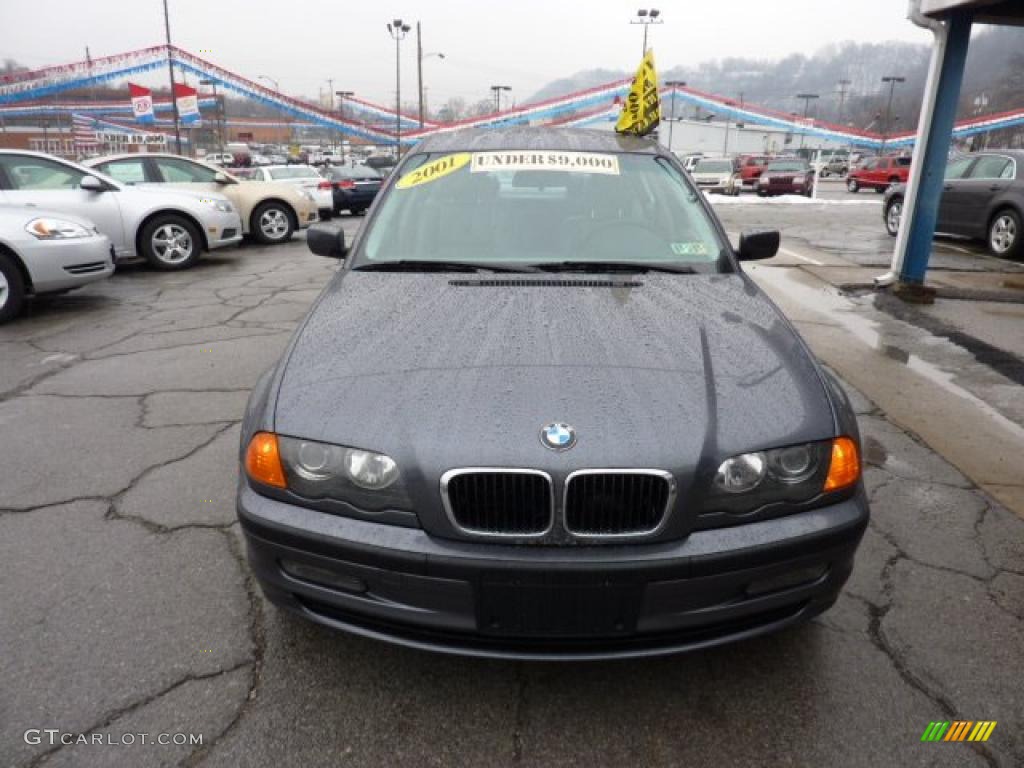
x: 443, y: 371
x: 782, y: 175
x: 723, y: 176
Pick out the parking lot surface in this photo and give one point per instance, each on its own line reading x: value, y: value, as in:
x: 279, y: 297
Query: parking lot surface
x: 131, y: 609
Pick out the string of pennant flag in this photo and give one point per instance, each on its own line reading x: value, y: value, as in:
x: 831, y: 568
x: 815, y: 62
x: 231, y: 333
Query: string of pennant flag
x: 603, y: 103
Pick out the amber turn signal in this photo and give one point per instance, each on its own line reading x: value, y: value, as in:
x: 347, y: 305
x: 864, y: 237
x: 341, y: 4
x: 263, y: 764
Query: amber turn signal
x: 844, y: 468
x: 263, y: 460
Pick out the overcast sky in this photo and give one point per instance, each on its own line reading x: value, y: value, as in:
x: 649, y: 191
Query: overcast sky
x: 524, y: 44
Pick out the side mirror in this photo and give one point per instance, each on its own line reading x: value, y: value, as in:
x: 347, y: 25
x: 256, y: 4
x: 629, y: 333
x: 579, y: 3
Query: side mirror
x: 758, y: 244
x: 328, y: 240
x: 221, y: 178
x: 92, y: 184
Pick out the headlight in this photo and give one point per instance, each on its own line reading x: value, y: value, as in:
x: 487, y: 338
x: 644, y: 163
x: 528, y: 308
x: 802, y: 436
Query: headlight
x: 793, y: 474
x: 220, y: 205
x: 315, y: 470
x: 55, y: 229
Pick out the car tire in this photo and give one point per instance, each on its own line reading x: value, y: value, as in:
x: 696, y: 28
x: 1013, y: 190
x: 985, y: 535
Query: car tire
x: 853, y: 186
x: 1005, y: 234
x: 880, y: 189
x: 893, y: 215
x: 170, y: 242
x: 272, y: 223
x: 12, y: 289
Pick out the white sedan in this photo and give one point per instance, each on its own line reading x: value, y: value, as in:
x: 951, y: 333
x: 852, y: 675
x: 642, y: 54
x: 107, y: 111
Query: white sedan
x: 47, y: 252
x: 170, y: 228
x: 305, y: 176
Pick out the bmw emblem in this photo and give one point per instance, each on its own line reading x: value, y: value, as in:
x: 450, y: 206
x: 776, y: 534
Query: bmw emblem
x: 558, y: 436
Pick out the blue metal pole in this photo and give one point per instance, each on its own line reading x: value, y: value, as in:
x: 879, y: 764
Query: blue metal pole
x: 936, y: 151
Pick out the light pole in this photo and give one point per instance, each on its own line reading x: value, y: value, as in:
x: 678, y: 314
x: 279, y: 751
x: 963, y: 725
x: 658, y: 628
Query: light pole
x: 646, y: 17
x: 497, y: 89
x: 170, y: 72
x: 891, y: 80
x: 420, y: 56
x: 218, y: 105
x: 673, y: 84
x: 807, y: 97
x: 398, y: 31
x: 277, y: 89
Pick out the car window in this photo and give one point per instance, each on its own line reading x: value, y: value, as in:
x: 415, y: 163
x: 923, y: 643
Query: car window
x: 957, y: 168
x: 1009, y: 171
x: 870, y: 165
x: 790, y: 165
x: 532, y: 207
x: 901, y: 162
x: 28, y: 172
x: 177, y: 171
x: 126, y: 171
x: 989, y: 167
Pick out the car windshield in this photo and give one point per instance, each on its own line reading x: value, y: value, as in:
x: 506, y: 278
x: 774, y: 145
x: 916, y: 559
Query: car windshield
x: 536, y: 207
x: 787, y: 166
x: 294, y: 172
x: 713, y: 166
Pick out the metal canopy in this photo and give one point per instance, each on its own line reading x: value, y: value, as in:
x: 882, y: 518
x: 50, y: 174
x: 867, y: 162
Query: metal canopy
x: 984, y: 11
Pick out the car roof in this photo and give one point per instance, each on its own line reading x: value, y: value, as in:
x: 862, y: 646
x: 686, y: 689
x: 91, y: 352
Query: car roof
x: 537, y: 137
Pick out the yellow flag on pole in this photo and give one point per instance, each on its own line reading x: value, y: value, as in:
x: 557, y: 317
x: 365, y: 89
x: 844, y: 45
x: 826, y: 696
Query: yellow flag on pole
x: 641, y: 111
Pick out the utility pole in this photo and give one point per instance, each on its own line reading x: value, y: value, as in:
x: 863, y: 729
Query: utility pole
x: 891, y: 80
x: 807, y: 97
x: 398, y: 31
x: 170, y: 72
x: 419, y: 70
x: 843, y: 84
x: 673, y: 84
x: 497, y: 89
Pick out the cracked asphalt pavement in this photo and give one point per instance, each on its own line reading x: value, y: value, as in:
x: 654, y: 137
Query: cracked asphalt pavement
x: 128, y: 607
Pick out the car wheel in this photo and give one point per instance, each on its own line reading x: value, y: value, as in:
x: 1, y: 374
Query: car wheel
x: 881, y: 188
x: 1004, y: 234
x: 272, y: 223
x: 852, y: 186
x: 171, y: 242
x: 12, y: 288
x: 893, y: 215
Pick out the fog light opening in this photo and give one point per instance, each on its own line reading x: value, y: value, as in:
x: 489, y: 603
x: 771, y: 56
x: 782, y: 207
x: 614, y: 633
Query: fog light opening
x: 787, y: 580
x: 322, y: 577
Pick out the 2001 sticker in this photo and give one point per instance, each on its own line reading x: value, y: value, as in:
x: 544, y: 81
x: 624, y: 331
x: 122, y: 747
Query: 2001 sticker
x: 434, y: 170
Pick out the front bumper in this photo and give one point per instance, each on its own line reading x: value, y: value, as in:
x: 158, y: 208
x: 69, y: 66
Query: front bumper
x: 404, y: 586
x: 222, y: 228
x: 60, y: 265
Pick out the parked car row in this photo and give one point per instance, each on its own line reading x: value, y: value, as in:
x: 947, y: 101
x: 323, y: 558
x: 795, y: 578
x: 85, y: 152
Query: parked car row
x: 64, y: 224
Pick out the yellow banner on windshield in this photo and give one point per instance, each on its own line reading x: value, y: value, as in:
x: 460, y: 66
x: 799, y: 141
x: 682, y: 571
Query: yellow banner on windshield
x: 641, y: 111
x: 434, y: 170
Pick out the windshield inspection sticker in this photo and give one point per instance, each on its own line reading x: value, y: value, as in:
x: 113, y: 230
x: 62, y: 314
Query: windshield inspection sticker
x: 433, y: 170
x: 690, y: 249
x: 526, y: 160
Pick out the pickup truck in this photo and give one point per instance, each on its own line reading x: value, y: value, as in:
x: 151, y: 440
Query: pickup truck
x: 879, y: 173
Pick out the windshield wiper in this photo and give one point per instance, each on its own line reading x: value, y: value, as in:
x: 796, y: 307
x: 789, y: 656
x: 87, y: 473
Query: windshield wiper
x: 427, y: 265
x: 635, y: 267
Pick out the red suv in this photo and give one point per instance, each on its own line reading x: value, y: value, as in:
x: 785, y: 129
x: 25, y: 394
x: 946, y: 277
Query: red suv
x: 751, y: 168
x: 879, y: 173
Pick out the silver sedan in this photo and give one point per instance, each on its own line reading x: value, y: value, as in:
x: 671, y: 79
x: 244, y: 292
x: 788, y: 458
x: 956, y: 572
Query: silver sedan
x: 47, y: 252
x: 170, y: 228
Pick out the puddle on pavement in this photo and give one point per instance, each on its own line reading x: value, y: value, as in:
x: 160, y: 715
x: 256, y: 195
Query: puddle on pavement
x: 808, y: 291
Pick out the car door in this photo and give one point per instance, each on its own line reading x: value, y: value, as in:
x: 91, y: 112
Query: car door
x: 952, y: 218
x: 987, y: 178
x: 45, y: 182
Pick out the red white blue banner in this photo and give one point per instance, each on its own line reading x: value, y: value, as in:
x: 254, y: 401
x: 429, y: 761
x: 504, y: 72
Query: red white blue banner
x: 142, y: 103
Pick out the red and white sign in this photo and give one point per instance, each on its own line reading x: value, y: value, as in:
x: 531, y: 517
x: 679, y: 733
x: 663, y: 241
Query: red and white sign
x: 142, y: 103
x: 188, y: 103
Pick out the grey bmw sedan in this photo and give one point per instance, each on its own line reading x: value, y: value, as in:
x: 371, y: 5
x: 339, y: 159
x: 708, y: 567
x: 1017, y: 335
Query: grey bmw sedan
x: 541, y: 412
